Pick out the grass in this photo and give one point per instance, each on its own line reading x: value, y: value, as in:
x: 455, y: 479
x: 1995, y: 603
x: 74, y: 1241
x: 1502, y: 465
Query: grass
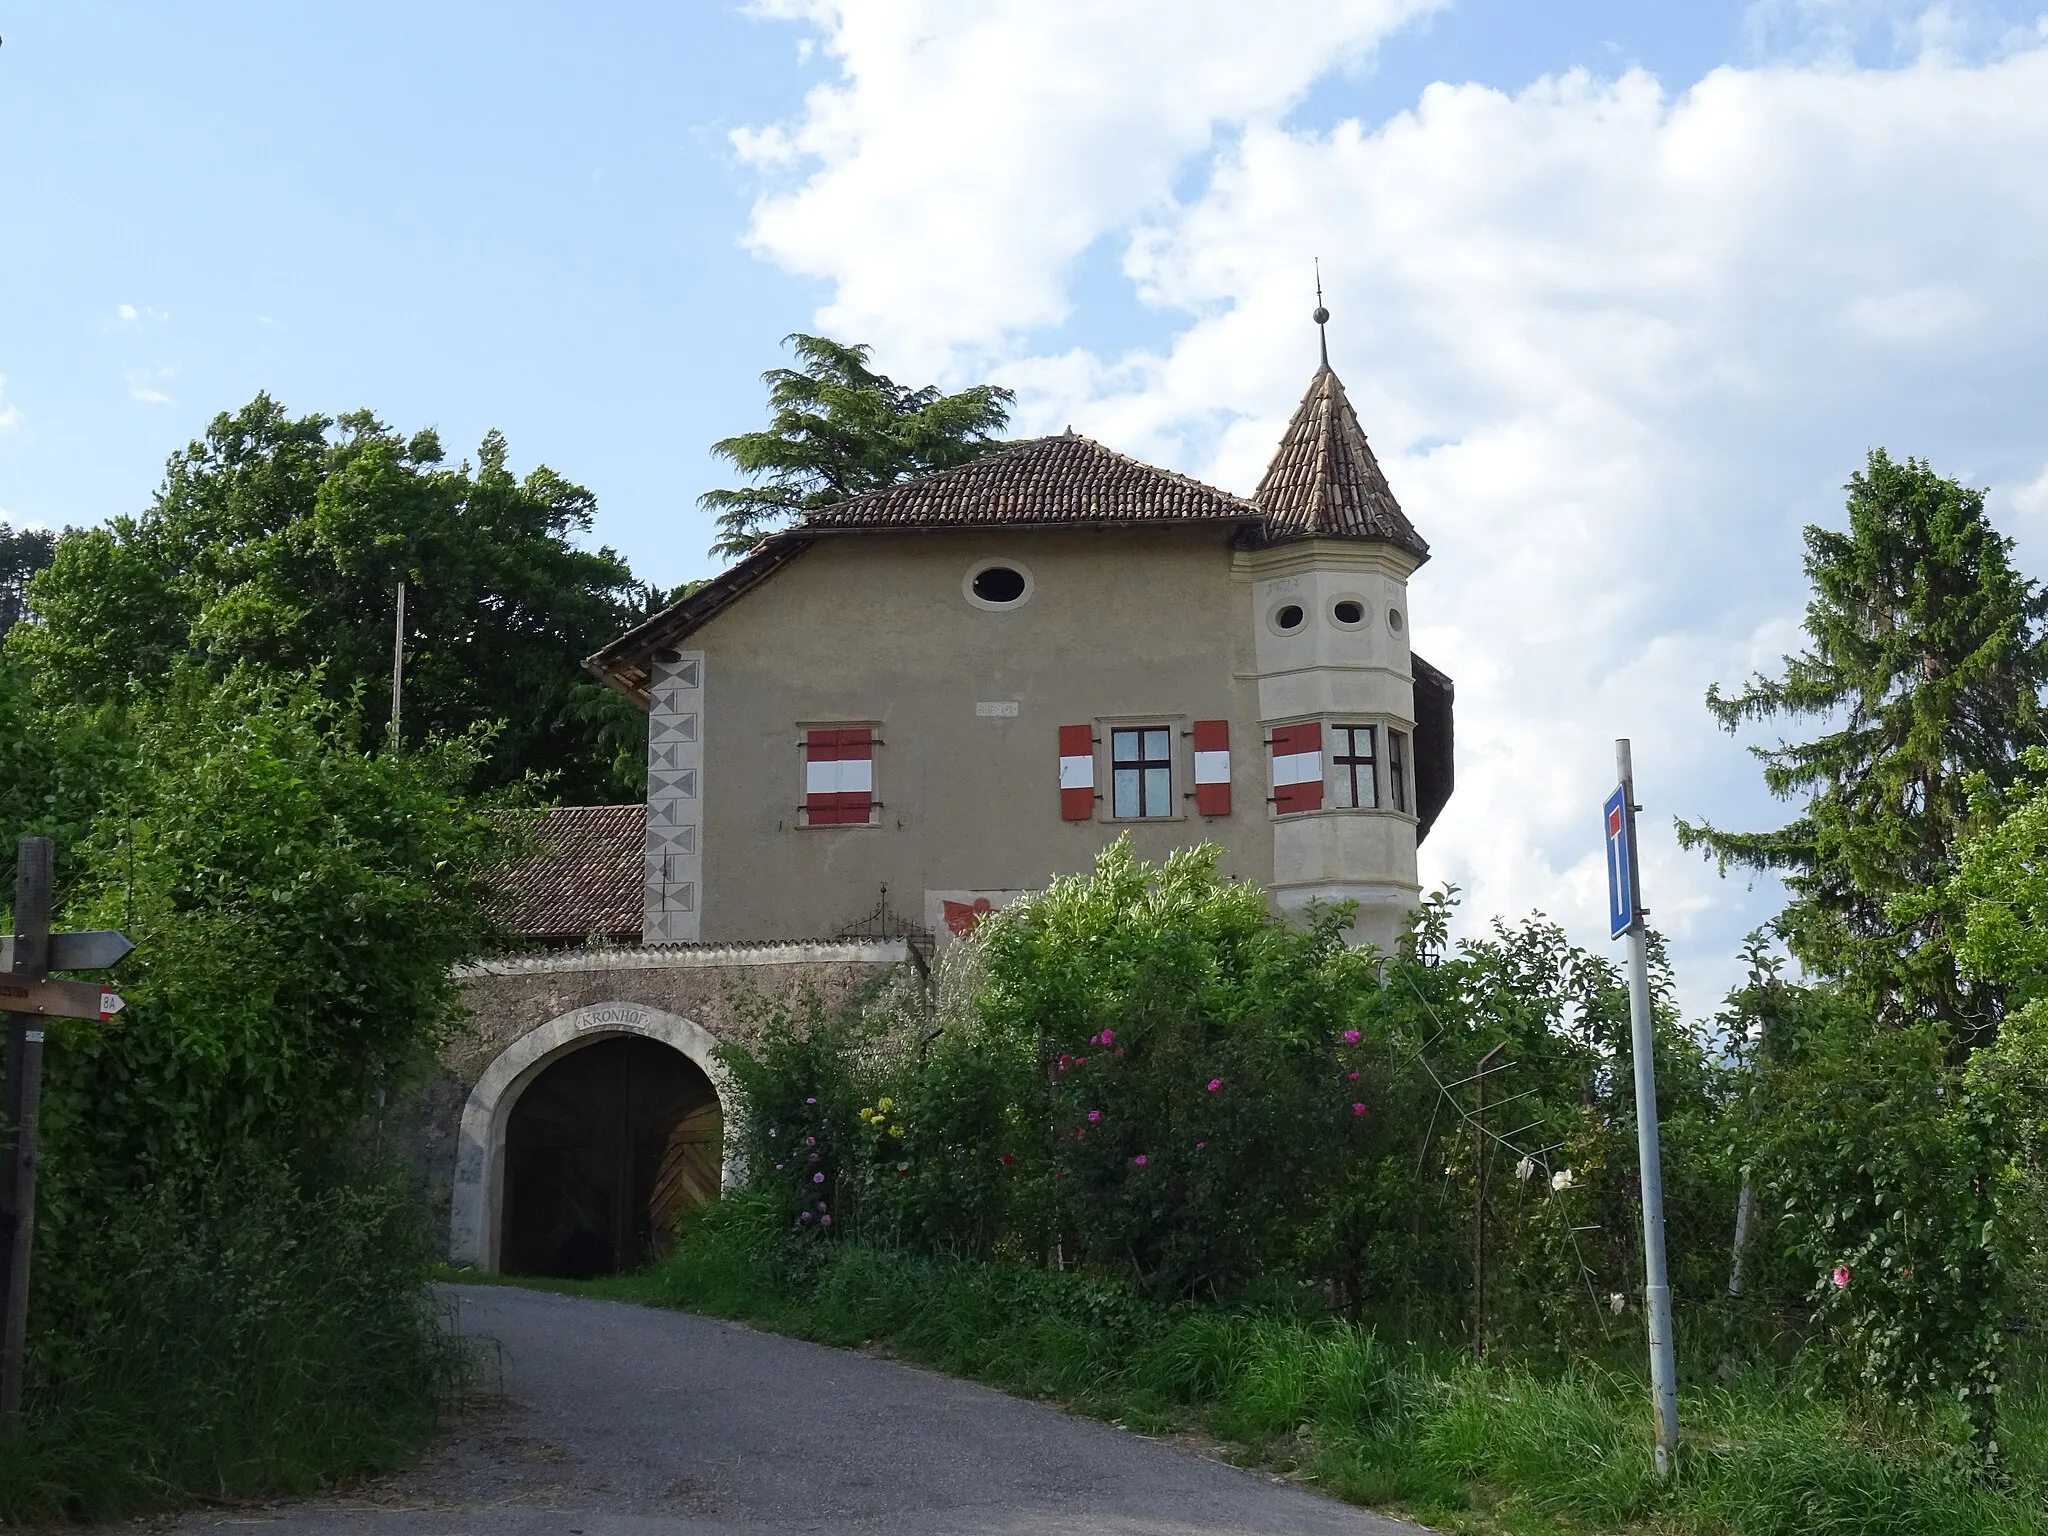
x: 264, y: 1344
x: 1501, y: 1448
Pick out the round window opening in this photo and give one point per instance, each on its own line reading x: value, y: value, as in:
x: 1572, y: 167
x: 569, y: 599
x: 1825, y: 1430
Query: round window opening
x: 1000, y: 585
x: 1289, y: 617
x: 1394, y: 620
x: 1348, y: 612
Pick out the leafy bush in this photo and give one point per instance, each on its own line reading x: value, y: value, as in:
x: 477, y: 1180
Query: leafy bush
x: 210, y: 1245
x: 1142, y: 1074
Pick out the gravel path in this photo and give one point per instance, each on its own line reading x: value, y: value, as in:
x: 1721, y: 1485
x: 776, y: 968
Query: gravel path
x: 628, y: 1421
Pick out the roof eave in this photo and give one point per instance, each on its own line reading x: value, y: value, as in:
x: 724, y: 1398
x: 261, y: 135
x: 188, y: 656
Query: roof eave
x: 1269, y: 536
x: 624, y: 664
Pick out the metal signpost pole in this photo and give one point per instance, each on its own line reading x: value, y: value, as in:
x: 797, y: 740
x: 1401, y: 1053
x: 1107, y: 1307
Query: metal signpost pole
x: 1625, y: 915
x: 24, y: 1093
x: 398, y: 668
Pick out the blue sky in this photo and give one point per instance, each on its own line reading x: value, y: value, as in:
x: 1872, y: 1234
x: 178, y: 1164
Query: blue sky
x: 471, y: 215
x: 1623, y: 291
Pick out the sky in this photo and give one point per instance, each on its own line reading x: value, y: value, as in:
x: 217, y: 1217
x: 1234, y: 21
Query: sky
x: 1623, y: 292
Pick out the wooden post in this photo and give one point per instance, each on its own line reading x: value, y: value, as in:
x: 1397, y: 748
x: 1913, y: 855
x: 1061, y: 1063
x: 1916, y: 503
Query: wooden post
x: 24, y: 1116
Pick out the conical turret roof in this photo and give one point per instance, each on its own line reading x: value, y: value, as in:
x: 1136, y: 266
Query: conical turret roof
x: 1324, y: 482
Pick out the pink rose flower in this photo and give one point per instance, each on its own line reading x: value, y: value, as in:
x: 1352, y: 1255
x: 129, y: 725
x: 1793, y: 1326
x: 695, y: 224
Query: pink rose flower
x: 1094, y: 1115
x: 1351, y: 1037
x: 1109, y: 1037
x: 1215, y: 1083
x: 1141, y: 1159
x: 1358, y: 1109
x: 1841, y: 1277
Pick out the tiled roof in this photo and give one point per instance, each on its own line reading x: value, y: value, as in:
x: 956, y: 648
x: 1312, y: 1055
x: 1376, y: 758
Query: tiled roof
x: 1064, y: 480
x: 1325, y: 483
x: 585, y: 877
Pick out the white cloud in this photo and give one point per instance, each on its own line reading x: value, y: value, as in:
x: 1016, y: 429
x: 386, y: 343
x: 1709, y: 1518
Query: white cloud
x: 1614, y: 343
x: 2031, y: 499
x: 969, y: 152
x: 127, y: 312
x: 142, y: 385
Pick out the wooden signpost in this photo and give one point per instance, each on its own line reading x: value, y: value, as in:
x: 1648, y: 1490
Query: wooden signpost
x: 29, y: 996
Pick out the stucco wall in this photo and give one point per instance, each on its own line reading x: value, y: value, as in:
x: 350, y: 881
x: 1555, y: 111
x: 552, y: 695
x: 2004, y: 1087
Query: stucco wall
x: 1142, y: 627
x: 726, y: 990
x: 1159, y: 626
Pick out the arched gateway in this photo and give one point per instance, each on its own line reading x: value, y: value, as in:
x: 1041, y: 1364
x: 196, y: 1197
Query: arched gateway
x: 584, y: 1138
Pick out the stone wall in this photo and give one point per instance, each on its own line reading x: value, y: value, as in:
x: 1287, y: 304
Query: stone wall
x: 729, y: 990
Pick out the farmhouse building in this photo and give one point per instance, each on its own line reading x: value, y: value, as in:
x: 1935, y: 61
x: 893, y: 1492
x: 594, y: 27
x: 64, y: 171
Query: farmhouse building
x: 894, y: 718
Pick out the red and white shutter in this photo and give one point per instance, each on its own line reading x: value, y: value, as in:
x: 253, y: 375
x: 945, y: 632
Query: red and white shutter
x: 1212, y: 767
x: 839, y: 777
x: 1298, y: 767
x: 1077, y: 773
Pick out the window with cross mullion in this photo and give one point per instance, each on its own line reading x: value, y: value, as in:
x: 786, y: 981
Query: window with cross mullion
x: 1141, y: 767
x: 1354, y: 766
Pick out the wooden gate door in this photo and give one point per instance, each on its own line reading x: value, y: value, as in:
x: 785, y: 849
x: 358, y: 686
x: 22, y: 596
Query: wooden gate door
x: 604, y: 1150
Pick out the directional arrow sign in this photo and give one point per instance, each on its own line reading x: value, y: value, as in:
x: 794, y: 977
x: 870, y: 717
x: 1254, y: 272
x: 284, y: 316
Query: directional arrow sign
x: 57, y: 999
x: 93, y: 950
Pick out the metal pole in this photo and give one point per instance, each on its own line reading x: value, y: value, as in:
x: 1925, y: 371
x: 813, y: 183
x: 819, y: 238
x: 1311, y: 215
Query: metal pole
x: 398, y: 667
x: 1657, y: 1287
x: 24, y: 1118
x: 1479, y: 1150
x: 1745, y: 1203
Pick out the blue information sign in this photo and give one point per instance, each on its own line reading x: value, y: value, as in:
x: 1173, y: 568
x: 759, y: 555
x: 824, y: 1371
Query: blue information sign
x: 1621, y: 889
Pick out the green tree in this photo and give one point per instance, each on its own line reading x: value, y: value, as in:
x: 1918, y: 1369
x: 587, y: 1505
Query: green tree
x: 230, y: 1287
x: 21, y: 556
x: 839, y: 429
x: 1928, y: 652
x: 279, y: 542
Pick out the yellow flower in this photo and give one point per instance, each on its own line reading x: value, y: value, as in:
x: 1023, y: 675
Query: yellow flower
x: 895, y: 1130
x: 885, y: 1104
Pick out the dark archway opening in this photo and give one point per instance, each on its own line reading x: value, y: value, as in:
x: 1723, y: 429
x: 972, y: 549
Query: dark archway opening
x: 603, y: 1151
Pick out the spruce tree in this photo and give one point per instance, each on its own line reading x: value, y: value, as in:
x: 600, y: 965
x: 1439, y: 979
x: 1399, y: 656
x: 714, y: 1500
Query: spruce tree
x: 1924, y: 669
x: 839, y: 429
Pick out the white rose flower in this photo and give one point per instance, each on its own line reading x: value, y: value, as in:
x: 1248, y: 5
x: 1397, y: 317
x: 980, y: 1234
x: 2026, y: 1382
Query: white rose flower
x: 1561, y: 1180
x: 1524, y: 1169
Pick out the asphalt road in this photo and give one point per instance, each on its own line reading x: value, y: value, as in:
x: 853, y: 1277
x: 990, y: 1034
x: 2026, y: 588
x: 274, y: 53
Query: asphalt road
x: 626, y: 1421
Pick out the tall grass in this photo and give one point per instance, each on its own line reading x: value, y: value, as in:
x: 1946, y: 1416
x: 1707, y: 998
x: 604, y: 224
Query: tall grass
x: 1481, y: 1447
x: 256, y: 1339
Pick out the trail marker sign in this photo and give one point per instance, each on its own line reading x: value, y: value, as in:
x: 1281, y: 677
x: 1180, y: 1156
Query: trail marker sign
x: 1621, y: 881
x: 57, y: 999
x: 29, y: 995
x: 91, y: 949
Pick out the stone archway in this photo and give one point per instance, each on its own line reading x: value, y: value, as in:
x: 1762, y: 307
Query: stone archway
x: 476, y: 1218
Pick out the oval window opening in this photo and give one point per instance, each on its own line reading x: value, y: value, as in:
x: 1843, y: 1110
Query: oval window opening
x: 999, y: 584
x: 1394, y: 620
x: 1348, y: 613
x: 1288, y: 617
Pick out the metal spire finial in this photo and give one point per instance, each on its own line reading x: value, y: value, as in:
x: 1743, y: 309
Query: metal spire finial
x: 1322, y: 315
